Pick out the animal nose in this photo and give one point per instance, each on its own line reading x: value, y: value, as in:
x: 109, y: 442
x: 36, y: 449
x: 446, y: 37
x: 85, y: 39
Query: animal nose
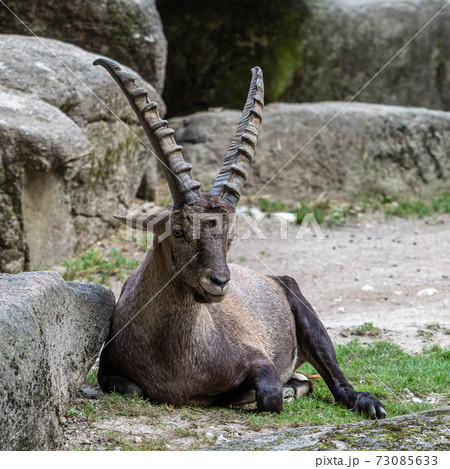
x: 220, y: 279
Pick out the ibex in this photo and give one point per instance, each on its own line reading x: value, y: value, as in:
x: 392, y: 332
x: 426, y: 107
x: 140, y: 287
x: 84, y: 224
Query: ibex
x: 190, y: 329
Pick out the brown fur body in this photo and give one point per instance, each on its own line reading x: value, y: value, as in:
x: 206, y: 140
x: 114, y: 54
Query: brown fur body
x: 191, y: 353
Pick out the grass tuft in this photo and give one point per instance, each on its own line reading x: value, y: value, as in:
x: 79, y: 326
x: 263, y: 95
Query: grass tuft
x: 366, y: 329
x: 331, y: 213
x: 92, y: 266
x: 270, y: 206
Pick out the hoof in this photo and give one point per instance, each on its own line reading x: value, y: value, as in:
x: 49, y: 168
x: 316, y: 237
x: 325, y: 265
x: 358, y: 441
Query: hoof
x: 288, y: 394
x: 90, y: 392
x: 299, y: 385
x: 364, y: 403
x: 369, y: 405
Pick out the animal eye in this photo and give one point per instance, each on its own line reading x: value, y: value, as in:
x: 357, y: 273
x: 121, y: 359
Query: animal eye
x: 177, y: 232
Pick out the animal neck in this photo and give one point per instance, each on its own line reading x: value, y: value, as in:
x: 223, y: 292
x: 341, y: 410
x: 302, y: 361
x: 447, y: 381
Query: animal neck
x: 165, y: 293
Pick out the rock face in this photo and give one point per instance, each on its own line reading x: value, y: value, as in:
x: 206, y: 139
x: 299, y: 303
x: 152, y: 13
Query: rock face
x: 214, y: 45
x: 129, y: 31
x: 365, y: 150
x: 422, y: 431
x: 310, y: 51
x: 51, y: 332
x: 346, y: 43
x: 68, y: 161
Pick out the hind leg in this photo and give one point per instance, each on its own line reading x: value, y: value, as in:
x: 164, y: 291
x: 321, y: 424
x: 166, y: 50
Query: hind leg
x: 315, y: 346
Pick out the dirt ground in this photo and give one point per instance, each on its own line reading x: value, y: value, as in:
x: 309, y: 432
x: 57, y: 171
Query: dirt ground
x: 393, y: 274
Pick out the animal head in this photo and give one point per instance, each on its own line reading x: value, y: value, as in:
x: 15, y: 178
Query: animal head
x: 196, y: 231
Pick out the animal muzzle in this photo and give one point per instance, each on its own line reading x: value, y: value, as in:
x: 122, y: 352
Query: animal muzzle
x: 215, y: 284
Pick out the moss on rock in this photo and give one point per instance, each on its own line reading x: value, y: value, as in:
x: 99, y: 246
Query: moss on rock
x: 213, y: 46
x: 309, y: 50
x: 423, y: 431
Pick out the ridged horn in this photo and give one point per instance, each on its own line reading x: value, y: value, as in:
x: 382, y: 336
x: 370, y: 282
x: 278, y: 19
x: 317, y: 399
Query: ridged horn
x: 232, y: 176
x: 183, y: 187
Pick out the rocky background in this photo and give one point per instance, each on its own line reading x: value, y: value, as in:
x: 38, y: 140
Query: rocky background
x: 309, y: 50
x: 72, y: 153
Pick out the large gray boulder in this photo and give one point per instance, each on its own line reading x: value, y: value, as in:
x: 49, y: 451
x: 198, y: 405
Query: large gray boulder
x: 349, y: 42
x: 129, y: 31
x: 344, y: 150
x: 309, y: 50
x: 70, y: 151
x: 51, y: 332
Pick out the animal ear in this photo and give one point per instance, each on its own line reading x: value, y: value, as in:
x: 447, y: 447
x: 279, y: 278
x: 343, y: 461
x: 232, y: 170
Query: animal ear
x: 145, y: 220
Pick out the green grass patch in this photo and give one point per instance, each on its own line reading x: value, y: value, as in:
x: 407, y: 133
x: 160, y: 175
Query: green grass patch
x: 384, y: 369
x: 366, y: 329
x: 409, y: 209
x: 331, y: 213
x: 424, y: 334
x: 93, y: 266
x: 433, y: 326
x: 271, y: 206
x: 130, y: 406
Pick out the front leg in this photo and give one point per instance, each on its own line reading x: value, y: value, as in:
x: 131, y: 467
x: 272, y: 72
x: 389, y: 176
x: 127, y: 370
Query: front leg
x: 315, y: 346
x: 265, y: 380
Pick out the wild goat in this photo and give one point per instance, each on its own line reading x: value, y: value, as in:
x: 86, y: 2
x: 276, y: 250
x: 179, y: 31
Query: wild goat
x: 189, y: 328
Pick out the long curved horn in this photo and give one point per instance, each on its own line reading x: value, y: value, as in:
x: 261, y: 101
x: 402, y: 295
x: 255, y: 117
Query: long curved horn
x: 232, y: 176
x: 183, y: 187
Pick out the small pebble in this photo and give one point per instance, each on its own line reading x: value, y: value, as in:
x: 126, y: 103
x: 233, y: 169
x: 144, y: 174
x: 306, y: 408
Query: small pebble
x: 254, y: 211
x: 427, y: 292
x: 285, y: 216
x: 221, y: 439
x: 367, y: 288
